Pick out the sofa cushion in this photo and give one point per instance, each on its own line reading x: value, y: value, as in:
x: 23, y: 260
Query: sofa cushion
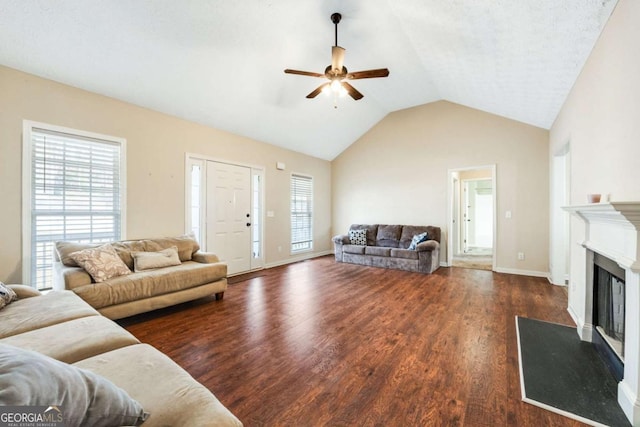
x: 354, y: 249
x: 102, y: 263
x: 151, y: 260
x: 372, y: 232
x: 404, y: 253
x: 149, y: 283
x: 87, y: 399
x: 75, y: 339
x: 358, y: 237
x: 164, y: 389
x: 32, y: 313
x: 377, y: 250
x: 65, y: 249
x: 388, y: 235
x: 24, y: 291
x: 409, y: 231
x: 125, y: 247
x: 186, y: 244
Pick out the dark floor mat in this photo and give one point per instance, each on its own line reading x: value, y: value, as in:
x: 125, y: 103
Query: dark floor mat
x: 561, y: 373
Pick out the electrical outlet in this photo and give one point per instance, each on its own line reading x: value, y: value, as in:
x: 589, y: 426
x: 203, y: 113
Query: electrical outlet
x: 279, y: 248
x: 520, y: 256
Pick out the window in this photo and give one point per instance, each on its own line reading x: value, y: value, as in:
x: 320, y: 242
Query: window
x: 301, y: 213
x: 73, y: 184
x: 195, y: 199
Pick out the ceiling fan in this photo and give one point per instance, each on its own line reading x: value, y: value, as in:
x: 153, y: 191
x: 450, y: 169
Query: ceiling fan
x: 337, y: 73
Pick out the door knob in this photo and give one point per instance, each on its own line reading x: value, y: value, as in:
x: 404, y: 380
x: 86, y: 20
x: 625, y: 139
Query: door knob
x: 248, y: 224
x: 248, y: 215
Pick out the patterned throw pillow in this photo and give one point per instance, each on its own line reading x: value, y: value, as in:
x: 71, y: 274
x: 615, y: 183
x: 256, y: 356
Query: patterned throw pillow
x: 7, y: 295
x: 102, y: 263
x: 418, y: 238
x: 358, y: 237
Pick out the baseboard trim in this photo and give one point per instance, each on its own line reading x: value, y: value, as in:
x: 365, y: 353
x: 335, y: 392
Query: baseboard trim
x: 444, y: 264
x: 519, y: 272
x: 298, y: 258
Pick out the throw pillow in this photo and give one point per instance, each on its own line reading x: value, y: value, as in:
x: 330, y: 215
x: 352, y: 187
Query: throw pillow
x: 85, y: 398
x: 418, y: 238
x: 358, y: 237
x: 7, y: 294
x: 102, y: 263
x: 150, y: 260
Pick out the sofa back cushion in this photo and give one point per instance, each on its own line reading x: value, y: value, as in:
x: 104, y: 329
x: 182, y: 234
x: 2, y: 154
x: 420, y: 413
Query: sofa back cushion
x: 64, y: 250
x: 372, y: 232
x: 186, y: 244
x: 388, y: 235
x: 408, y: 231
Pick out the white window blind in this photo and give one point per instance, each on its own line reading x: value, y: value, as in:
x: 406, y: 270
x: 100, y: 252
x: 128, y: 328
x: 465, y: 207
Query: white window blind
x: 301, y: 213
x: 75, y: 194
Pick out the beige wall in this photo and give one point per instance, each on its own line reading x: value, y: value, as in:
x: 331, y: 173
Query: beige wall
x: 601, y: 121
x: 156, y: 147
x: 398, y: 172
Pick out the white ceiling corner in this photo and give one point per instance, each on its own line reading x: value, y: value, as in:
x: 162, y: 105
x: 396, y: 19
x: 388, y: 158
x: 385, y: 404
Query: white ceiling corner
x: 221, y: 63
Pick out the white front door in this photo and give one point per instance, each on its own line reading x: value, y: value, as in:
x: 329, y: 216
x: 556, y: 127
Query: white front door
x: 229, y: 215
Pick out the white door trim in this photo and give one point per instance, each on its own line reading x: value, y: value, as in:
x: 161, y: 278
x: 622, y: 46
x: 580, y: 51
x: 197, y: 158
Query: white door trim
x: 255, y: 169
x: 450, y: 204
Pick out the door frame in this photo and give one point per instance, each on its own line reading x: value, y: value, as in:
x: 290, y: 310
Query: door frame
x: 454, y: 179
x: 560, y: 230
x: 256, y: 263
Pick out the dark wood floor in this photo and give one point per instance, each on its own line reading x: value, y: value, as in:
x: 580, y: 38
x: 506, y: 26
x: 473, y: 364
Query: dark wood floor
x: 318, y: 343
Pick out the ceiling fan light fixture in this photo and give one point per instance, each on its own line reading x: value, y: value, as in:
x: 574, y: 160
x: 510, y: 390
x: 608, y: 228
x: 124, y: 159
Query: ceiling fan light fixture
x: 337, y: 73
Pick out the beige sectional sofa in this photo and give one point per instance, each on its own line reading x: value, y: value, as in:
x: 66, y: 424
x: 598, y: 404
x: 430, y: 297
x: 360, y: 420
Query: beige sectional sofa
x: 197, y: 274
x: 44, y: 338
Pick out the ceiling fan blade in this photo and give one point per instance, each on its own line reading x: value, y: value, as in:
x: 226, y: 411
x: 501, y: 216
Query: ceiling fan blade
x: 303, y: 73
x: 337, y: 58
x: 368, y: 74
x: 317, y: 90
x: 352, y: 91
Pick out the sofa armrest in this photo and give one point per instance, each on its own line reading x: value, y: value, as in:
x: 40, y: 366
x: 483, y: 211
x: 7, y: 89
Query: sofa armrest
x: 68, y: 278
x: 341, y: 239
x: 205, y: 257
x: 428, y: 245
x: 24, y: 291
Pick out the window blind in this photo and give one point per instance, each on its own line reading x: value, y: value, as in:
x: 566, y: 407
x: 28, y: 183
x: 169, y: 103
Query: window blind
x: 75, y: 195
x: 301, y: 213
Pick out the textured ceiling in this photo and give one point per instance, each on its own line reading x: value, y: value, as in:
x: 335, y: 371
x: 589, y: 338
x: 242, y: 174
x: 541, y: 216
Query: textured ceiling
x: 220, y: 63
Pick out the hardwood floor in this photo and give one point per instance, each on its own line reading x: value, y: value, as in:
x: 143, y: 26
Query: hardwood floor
x: 319, y: 343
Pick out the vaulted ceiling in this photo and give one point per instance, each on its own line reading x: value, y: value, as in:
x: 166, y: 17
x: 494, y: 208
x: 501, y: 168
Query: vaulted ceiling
x: 220, y: 63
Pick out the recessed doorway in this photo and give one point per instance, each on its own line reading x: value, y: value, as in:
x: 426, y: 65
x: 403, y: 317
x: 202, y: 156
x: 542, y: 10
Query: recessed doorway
x: 472, y: 196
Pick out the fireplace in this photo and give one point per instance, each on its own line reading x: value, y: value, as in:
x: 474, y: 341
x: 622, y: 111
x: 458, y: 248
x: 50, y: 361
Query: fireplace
x: 605, y: 266
x: 608, y: 313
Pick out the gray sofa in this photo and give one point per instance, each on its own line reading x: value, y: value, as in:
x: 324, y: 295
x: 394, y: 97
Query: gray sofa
x: 387, y: 246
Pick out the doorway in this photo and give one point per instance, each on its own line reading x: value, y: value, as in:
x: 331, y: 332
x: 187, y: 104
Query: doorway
x: 472, y: 219
x: 224, y: 211
x: 560, y: 236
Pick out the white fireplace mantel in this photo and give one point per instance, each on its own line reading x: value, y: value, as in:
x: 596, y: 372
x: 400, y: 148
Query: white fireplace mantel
x: 613, y: 230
